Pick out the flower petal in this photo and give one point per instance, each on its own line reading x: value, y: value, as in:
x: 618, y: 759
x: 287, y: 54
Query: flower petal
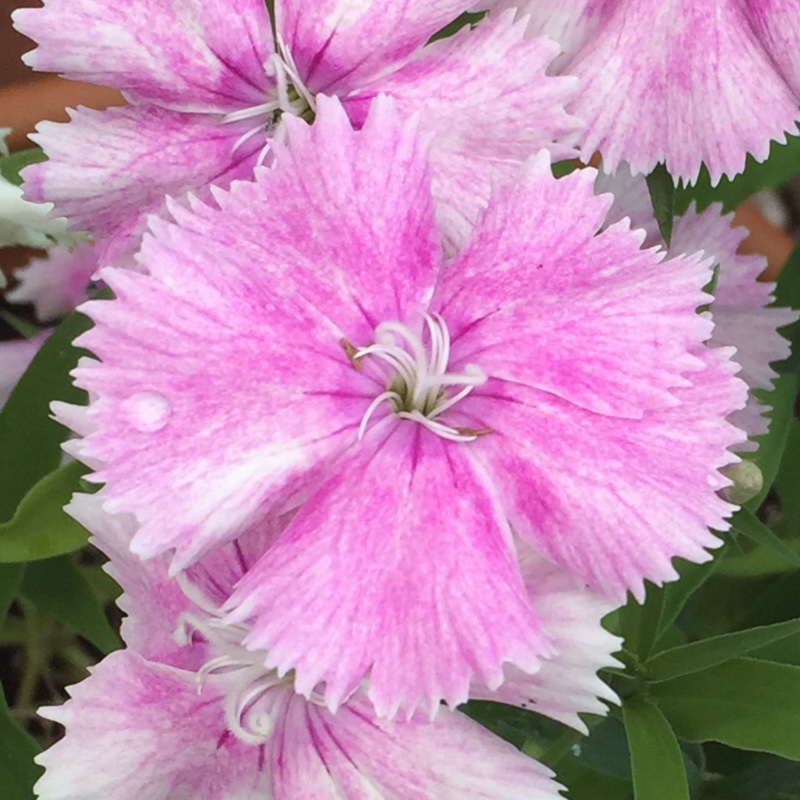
x: 485, y: 99
x: 136, y: 729
x: 614, y: 503
x: 567, y: 683
x: 107, y: 170
x: 776, y: 23
x: 56, y: 284
x: 315, y: 754
x: 677, y: 81
x: 337, y: 44
x: 539, y: 298
x: 181, y: 54
x: 152, y: 601
x: 419, y: 587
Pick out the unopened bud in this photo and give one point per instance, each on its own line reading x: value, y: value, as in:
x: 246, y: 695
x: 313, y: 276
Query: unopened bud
x: 747, y: 482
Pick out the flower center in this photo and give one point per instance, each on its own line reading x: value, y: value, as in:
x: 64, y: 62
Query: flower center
x: 253, y: 694
x: 291, y: 97
x: 418, y: 385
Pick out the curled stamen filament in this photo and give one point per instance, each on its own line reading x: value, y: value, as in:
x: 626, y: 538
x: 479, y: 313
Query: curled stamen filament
x: 417, y: 378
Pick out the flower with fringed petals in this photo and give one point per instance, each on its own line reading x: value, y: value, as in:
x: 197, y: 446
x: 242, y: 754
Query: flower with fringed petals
x: 188, y: 712
x: 319, y: 356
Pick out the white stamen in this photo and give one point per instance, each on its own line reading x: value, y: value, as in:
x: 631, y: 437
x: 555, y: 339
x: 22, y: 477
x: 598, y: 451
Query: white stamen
x: 416, y: 378
x: 280, y: 66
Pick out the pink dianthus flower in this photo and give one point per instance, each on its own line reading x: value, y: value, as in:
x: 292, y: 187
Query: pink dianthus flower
x: 188, y: 712
x: 676, y: 81
x: 319, y: 356
x: 742, y: 309
x: 209, y: 88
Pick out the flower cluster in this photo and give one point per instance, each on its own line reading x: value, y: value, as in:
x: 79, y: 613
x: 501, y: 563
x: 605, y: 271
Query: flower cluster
x: 387, y: 417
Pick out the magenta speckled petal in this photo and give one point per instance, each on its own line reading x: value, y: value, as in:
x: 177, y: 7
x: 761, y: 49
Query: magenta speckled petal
x: 569, y: 23
x: 614, y: 503
x: 777, y: 23
x: 336, y: 44
x: 677, y: 81
x: 191, y: 55
x: 56, y: 284
x: 351, y: 755
x: 480, y: 112
x: 537, y: 298
x: 422, y: 591
x: 567, y: 683
x: 108, y: 169
x: 137, y: 729
x: 152, y: 601
x: 742, y: 314
x: 224, y: 390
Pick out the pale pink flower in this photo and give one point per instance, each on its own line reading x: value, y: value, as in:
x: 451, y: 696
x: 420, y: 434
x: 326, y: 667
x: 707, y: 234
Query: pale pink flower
x: 676, y: 81
x: 742, y: 309
x: 209, y: 89
x: 188, y: 712
x: 54, y: 285
x: 318, y: 355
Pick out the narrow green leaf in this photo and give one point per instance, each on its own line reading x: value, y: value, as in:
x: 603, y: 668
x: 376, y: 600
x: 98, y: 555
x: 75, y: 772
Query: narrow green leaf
x: 639, y: 624
x: 11, y: 165
x: 745, y: 703
x: 656, y: 759
x: 57, y: 586
x: 40, y: 528
x: 584, y: 783
x: 701, y: 655
x: 18, y: 773
x: 748, y: 524
x: 662, y: 194
x: 30, y: 441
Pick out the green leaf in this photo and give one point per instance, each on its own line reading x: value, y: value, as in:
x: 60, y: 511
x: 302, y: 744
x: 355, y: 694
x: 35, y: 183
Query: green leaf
x: 585, y: 784
x: 656, y: 759
x: 18, y: 773
x: 782, y: 163
x: 40, y: 528
x: 471, y: 18
x: 707, y: 653
x: 605, y: 750
x: 744, y: 703
x: 639, y: 624
x: 30, y: 442
x: 57, y: 586
x: 748, y: 524
x: 11, y: 165
x: 662, y: 194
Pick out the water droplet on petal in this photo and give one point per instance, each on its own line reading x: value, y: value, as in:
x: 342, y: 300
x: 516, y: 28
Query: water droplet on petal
x: 148, y: 411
